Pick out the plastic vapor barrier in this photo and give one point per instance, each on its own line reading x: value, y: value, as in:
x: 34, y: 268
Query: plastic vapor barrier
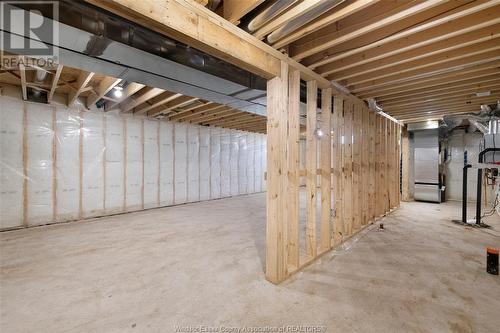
x: 166, y: 163
x: 204, y: 167
x: 61, y: 164
x: 133, y: 167
x: 115, y: 164
x: 225, y: 166
x: 67, y: 164
x: 151, y: 165
x: 193, y: 170
x: 11, y: 163
x: 40, y: 140
x: 233, y: 160
x: 215, y: 163
x: 180, y: 165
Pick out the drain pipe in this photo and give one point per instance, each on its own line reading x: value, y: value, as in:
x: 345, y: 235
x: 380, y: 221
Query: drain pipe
x: 269, y: 13
x: 305, y: 18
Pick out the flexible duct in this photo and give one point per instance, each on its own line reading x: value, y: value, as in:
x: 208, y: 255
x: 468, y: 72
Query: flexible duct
x: 305, y: 18
x: 269, y: 13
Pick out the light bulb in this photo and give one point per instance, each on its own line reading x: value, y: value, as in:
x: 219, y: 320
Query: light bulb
x: 117, y: 92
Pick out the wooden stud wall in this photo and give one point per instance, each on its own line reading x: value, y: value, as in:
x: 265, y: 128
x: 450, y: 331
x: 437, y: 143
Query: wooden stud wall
x: 357, y: 161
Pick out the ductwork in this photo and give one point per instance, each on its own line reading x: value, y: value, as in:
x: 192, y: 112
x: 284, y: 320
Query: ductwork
x: 303, y: 19
x: 373, y: 105
x: 146, y: 57
x: 480, y: 120
x: 276, y: 8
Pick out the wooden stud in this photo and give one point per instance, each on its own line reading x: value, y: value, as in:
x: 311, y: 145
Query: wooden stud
x: 356, y: 167
x: 347, y: 198
x: 326, y: 169
x: 311, y: 155
x: 293, y: 169
x: 338, y: 138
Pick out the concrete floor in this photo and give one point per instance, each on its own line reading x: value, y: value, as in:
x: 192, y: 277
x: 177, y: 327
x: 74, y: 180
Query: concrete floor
x: 202, y: 264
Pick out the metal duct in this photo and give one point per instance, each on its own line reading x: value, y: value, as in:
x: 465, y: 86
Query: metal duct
x: 269, y: 13
x: 107, y: 27
x: 372, y: 104
x: 482, y: 128
x: 481, y: 120
x: 305, y: 18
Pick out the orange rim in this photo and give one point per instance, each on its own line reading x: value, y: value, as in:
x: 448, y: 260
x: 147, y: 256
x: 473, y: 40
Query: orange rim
x: 491, y: 250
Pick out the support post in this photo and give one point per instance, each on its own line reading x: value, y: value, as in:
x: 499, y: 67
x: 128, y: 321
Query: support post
x: 276, y: 229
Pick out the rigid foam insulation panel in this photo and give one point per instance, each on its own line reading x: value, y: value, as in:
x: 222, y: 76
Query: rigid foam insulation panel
x: 11, y: 163
x: 242, y: 163
x: 233, y: 160
x: 215, y: 163
x: 225, y: 163
x: 115, y: 166
x: 151, y: 165
x: 259, y: 174
x: 180, y: 189
x: 134, y: 163
x: 193, y: 160
x: 264, y: 162
x: 39, y: 163
x: 166, y: 163
x: 67, y: 164
x: 204, y: 163
x: 92, y: 164
x: 251, y: 163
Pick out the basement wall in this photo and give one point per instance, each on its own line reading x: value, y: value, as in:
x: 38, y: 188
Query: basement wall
x: 60, y: 164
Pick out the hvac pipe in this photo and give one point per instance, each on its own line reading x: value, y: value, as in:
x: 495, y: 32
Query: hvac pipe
x: 305, y: 18
x: 269, y: 13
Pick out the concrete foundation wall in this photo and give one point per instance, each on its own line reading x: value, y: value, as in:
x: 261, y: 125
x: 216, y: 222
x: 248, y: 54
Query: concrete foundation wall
x: 59, y: 164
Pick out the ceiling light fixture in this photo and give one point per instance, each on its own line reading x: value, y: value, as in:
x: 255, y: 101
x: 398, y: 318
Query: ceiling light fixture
x: 118, y: 91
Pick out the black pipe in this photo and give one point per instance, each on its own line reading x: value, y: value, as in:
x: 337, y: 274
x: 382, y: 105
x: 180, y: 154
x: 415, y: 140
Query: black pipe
x: 480, y: 183
x: 464, y: 188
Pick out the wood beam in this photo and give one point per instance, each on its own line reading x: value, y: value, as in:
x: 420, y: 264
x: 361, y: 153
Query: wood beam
x: 473, y: 72
x: 422, y: 63
x: 133, y: 102
x: 55, y: 80
x: 196, y: 26
x: 474, y: 84
x: 234, y: 10
x: 316, y: 47
x: 203, y: 29
x: 24, y: 88
x: 129, y: 90
x: 429, y: 71
x: 300, y: 9
x: 102, y: 89
x: 179, y: 102
x: 325, y: 21
x: 443, y: 96
x: 411, y: 48
x: 452, y: 23
x: 156, y: 102
x: 82, y: 81
x: 204, y: 111
x: 191, y: 110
